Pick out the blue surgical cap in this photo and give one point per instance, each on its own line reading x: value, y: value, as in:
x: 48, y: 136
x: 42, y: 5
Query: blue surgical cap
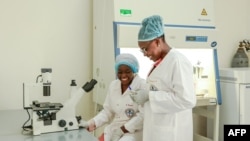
x: 152, y: 27
x: 127, y: 59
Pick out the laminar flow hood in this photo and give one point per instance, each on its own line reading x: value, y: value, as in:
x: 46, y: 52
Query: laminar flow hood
x: 181, y: 19
x: 188, y: 24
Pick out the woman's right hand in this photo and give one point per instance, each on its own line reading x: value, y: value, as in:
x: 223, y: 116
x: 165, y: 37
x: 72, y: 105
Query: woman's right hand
x: 92, y: 125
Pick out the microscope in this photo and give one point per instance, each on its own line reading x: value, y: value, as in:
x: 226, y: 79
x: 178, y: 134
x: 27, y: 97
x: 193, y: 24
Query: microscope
x: 46, y: 80
x: 40, y: 90
x: 49, y: 117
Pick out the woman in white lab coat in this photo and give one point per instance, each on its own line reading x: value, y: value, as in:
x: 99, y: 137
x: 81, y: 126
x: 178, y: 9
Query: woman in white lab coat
x: 169, y: 101
x: 122, y: 114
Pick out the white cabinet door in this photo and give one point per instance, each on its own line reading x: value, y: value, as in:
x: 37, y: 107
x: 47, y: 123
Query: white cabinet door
x: 245, y: 104
x: 229, y: 109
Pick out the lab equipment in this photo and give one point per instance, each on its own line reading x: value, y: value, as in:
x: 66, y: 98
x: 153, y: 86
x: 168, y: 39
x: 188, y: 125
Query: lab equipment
x: 46, y: 80
x: 44, y: 84
x: 246, y: 44
x: 73, y: 88
x: 53, y: 117
x: 235, y: 91
x: 116, y: 27
x: 11, y: 120
x: 240, y: 58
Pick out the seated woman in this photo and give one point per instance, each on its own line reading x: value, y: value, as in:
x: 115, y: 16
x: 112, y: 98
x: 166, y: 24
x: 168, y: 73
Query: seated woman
x: 124, y: 117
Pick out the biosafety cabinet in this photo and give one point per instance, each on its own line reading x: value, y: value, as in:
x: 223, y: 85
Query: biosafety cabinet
x: 189, y: 27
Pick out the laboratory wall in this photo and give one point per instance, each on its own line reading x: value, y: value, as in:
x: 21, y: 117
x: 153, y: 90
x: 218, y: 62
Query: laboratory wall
x: 37, y: 34
x: 232, y: 24
x: 248, y: 21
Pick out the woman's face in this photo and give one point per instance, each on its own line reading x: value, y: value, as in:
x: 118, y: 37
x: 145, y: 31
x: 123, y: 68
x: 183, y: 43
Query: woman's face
x: 125, y: 74
x: 150, y: 49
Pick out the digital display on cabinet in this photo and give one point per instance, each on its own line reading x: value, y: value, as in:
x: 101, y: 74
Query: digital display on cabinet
x: 196, y: 38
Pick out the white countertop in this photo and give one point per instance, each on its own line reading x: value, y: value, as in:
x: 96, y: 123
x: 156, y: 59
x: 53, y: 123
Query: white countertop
x: 206, y: 101
x: 11, y: 122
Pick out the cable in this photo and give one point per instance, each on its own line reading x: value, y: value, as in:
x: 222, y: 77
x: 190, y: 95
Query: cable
x: 29, y: 127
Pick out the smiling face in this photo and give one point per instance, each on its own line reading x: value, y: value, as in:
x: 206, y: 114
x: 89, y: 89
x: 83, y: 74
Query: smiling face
x: 125, y: 75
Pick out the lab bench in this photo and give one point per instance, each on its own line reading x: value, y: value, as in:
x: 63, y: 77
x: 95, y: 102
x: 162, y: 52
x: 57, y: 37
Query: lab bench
x: 11, y: 122
x: 208, y: 109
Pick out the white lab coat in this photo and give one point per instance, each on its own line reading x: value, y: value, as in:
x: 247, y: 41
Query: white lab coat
x: 116, y: 106
x: 168, y: 113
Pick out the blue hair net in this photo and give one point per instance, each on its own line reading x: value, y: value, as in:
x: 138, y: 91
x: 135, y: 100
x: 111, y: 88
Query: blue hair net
x: 152, y: 27
x: 127, y: 59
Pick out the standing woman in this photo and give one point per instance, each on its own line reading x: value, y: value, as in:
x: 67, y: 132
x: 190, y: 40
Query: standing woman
x: 169, y: 101
x: 122, y: 115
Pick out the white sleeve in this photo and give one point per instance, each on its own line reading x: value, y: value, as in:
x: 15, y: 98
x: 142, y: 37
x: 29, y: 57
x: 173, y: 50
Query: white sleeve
x: 106, y: 114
